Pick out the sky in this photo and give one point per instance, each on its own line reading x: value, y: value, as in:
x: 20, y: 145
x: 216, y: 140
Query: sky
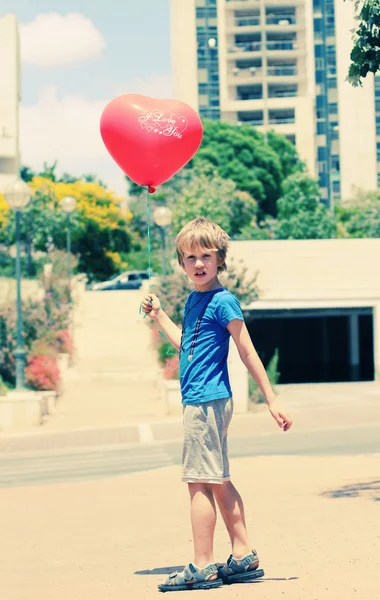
x: 76, y: 56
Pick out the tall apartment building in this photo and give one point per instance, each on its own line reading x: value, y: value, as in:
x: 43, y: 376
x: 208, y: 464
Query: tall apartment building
x: 282, y: 64
x: 10, y: 92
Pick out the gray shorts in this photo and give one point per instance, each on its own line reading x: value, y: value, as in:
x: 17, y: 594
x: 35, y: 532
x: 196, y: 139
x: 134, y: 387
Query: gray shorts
x: 205, y: 456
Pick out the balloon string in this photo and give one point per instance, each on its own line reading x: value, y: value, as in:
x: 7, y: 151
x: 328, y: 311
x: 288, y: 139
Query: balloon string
x: 170, y: 351
x: 148, y: 214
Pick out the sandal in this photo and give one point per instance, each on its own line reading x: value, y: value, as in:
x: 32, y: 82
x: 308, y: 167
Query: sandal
x: 241, y: 570
x: 192, y: 578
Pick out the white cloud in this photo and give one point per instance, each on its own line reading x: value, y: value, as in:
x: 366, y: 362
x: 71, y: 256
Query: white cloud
x: 67, y: 130
x: 54, y: 40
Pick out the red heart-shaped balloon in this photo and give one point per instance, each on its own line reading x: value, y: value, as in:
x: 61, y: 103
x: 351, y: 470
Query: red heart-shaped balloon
x: 150, y: 139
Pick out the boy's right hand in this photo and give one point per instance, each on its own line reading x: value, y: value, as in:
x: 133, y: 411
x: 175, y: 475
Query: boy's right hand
x: 151, y: 306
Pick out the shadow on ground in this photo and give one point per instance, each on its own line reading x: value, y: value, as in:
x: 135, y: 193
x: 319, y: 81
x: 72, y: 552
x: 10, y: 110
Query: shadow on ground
x: 367, y: 489
x: 179, y: 568
x: 160, y: 570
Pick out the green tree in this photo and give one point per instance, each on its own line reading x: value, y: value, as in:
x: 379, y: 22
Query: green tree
x: 301, y: 214
x: 99, y: 228
x: 359, y: 217
x: 208, y: 195
x: 365, y: 54
x: 239, y: 153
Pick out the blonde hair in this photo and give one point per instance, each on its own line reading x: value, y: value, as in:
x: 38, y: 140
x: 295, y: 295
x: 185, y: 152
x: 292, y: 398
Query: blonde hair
x: 203, y: 233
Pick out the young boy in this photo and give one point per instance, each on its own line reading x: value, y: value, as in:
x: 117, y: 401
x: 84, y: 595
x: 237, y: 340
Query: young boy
x: 211, y: 315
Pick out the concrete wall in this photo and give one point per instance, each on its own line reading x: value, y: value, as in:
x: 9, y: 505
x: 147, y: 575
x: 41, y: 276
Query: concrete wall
x: 184, y: 52
x: 298, y: 274
x: 10, y: 93
x: 315, y: 270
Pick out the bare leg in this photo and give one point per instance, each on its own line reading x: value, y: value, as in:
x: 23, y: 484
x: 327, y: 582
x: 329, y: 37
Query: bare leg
x: 203, y: 520
x: 232, y: 510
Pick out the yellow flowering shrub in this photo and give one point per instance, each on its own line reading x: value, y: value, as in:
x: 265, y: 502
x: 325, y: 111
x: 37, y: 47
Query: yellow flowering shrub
x: 4, y: 210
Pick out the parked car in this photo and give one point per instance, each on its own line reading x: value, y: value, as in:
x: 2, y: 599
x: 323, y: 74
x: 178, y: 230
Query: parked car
x: 129, y: 280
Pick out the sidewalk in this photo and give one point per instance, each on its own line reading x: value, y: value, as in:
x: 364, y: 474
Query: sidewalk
x: 312, y: 520
x: 93, y: 420
x: 112, y: 394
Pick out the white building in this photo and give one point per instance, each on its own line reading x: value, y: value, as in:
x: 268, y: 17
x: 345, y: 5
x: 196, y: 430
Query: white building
x: 282, y: 64
x: 10, y: 92
x: 319, y: 306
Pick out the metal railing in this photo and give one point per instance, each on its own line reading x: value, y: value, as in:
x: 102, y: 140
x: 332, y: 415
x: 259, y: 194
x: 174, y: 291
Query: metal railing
x: 281, y: 20
x: 288, y: 45
x: 281, y: 71
x: 281, y: 120
x: 249, y: 97
x: 247, y: 21
x: 256, y: 123
x: 283, y: 94
x: 252, y: 72
x: 257, y: 46
x: 245, y: 47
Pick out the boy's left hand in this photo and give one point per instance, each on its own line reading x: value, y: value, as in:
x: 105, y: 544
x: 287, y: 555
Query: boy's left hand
x: 279, y: 414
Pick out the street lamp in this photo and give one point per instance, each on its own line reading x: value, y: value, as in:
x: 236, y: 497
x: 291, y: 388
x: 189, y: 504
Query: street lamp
x: 68, y: 204
x: 17, y: 195
x: 163, y: 217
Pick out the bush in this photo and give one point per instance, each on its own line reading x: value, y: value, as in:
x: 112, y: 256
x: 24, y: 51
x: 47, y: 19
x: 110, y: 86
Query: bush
x: 64, y: 342
x: 168, y: 357
x: 255, y: 395
x: 45, y: 331
x: 42, y: 373
x: 3, y: 387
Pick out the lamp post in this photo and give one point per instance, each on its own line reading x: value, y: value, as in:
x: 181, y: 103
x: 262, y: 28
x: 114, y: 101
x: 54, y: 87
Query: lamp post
x: 163, y: 217
x: 17, y: 195
x: 68, y: 205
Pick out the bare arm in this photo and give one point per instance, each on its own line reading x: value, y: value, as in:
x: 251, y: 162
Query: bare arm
x: 252, y: 361
x: 152, y: 306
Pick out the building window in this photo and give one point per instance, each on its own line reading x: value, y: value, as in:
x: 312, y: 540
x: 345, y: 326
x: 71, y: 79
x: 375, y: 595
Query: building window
x: 322, y: 153
x: 281, y: 117
x: 319, y: 63
x: 332, y: 82
x: 321, y: 127
x: 336, y: 187
x: 291, y: 139
x: 335, y: 163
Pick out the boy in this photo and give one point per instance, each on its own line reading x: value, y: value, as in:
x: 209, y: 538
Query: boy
x: 211, y: 315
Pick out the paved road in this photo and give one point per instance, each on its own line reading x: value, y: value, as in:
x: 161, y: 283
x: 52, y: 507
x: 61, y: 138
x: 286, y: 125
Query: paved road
x: 47, y: 467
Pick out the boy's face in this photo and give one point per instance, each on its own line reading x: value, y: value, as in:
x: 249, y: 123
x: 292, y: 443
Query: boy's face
x: 201, y: 265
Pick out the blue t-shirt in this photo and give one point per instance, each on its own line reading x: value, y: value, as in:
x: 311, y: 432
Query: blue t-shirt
x: 205, y: 377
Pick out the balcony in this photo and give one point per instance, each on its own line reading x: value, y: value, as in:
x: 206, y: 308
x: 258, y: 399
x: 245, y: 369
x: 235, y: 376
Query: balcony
x: 253, y: 122
x: 252, y: 96
x: 248, y: 74
x: 247, y: 21
x: 282, y: 71
x: 286, y: 45
x: 281, y: 20
x: 249, y: 92
x: 290, y: 92
x: 281, y: 120
x: 283, y: 117
x: 245, y: 47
